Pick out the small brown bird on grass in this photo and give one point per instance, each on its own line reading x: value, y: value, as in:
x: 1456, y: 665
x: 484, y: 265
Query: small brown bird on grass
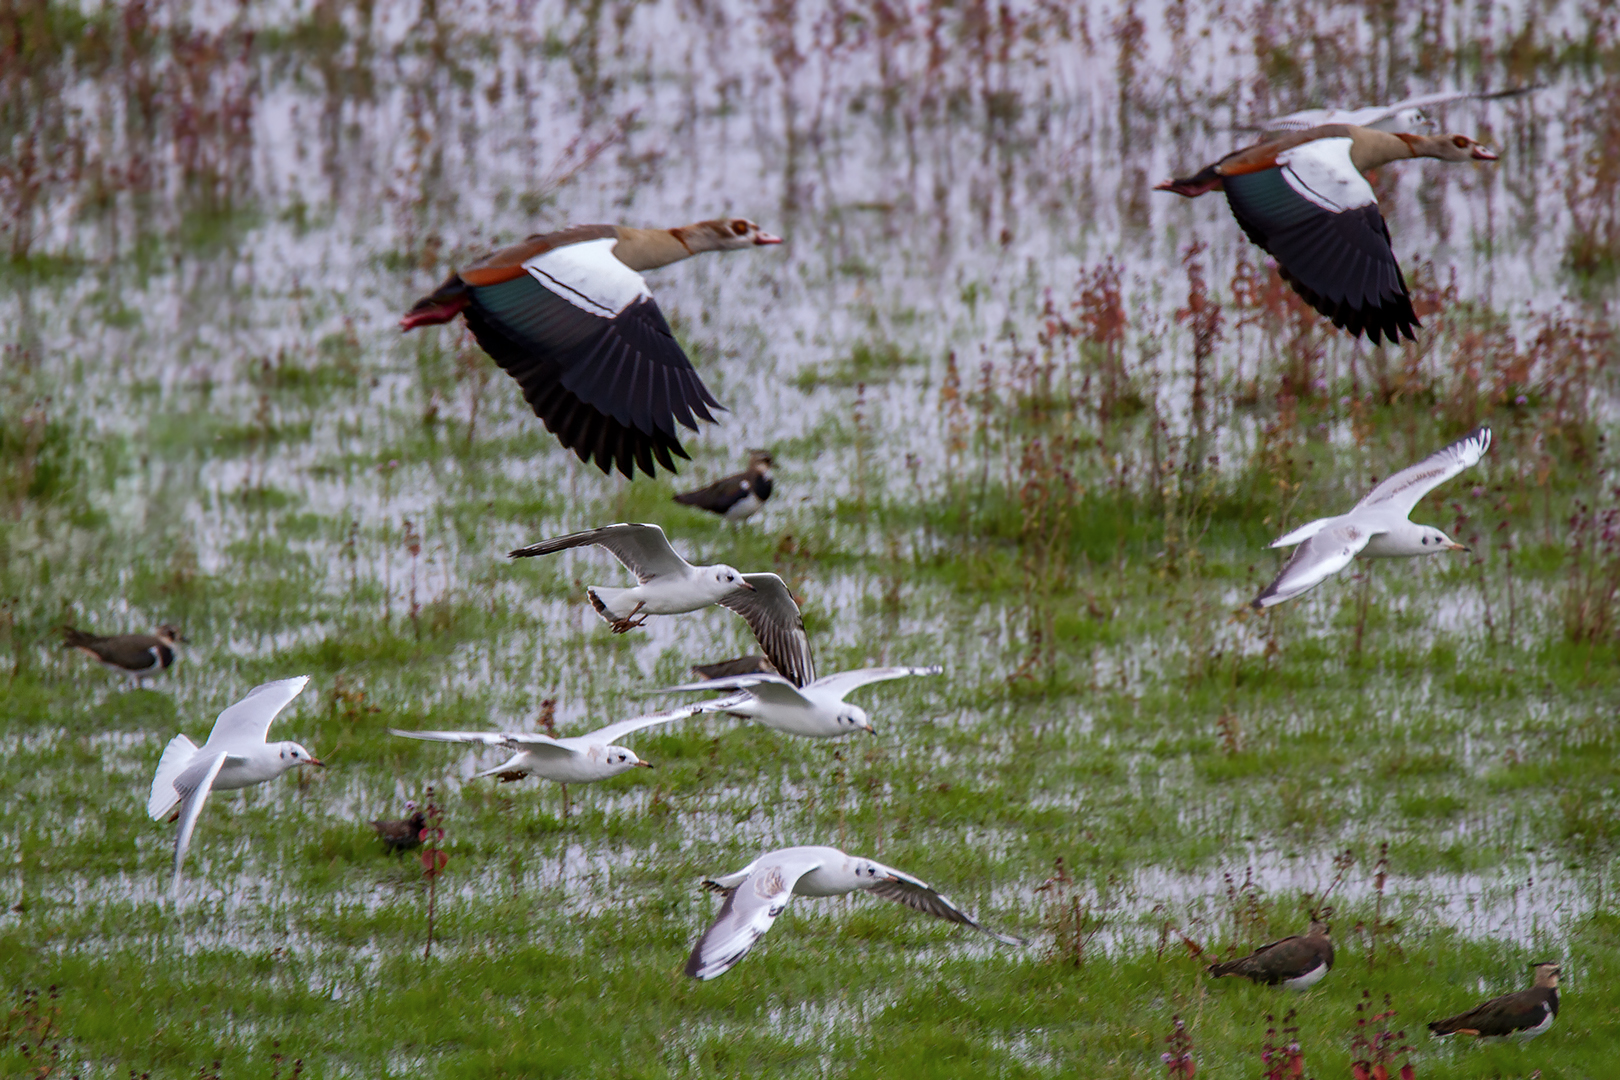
x: 404, y: 834
x: 138, y: 656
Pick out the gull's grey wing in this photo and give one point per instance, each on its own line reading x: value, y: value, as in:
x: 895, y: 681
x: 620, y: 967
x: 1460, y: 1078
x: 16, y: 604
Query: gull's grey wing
x: 1314, y: 561
x: 773, y: 616
x: 750, y: 909
x: 918, y: 895
x: 613, y: 732
x: 766, y: 687
x: 488, y: 738
x: 247, y: 722
x: 843, y: 682
x: 193, y: 786
x: 643, y: 549
x: 532, y: 741
x: 1402, y: 491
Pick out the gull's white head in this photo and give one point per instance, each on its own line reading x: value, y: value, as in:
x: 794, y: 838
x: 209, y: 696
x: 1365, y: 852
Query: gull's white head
x: 621, y: 760
x: 854, y: 718
x: 869, y: 873
x: 1432, y: 541
x: 730, y: 578
x: 294, y: 755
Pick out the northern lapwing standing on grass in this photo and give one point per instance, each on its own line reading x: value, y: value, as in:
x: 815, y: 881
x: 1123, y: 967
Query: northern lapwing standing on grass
x: 1297, y: 962
x: 568, y: 315
x: 1302, y: 198
x: 1523, y: 1014
x: 737, y: 497
x: 138, y: 656
x: 403, y: 834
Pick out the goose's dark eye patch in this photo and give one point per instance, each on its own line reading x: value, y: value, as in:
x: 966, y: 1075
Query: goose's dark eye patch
x: 739, y: 226
x: 1461, y: 142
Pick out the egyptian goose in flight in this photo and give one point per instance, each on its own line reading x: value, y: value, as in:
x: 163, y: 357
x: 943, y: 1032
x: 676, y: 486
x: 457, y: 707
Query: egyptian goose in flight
x: 569, y: 316
x: 738, y: 497
x: 1520, y: 1015
x: 1302, y: 198
x: 1399, y: 116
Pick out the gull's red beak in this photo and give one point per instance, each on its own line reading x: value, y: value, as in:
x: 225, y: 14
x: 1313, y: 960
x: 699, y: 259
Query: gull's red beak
x: 741, y: 584
x: 644, y: 764
x: 317, y: 762
x: 762, y: 237
x: 1454, y: 546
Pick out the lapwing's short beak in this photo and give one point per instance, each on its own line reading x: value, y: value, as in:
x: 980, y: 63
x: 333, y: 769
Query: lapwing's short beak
x: 1454, y: 546
x: 762, y: 238
x: 746, y: 585
x: 1482, y: 154
x: 644, y: 764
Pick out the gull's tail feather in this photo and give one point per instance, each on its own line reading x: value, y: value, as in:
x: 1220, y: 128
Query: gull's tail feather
x: 176, y: 756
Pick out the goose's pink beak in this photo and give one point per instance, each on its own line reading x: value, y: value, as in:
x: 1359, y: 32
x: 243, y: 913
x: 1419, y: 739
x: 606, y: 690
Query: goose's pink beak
x: 763, y: 237
x: 1482, y: 154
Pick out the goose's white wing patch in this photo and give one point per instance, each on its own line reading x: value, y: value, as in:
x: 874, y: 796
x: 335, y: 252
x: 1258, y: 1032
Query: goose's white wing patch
x: 589, y: 276
x: 1320, y: 171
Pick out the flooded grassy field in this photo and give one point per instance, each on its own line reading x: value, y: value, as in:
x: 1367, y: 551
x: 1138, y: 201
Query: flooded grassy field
x: 1032, y: 422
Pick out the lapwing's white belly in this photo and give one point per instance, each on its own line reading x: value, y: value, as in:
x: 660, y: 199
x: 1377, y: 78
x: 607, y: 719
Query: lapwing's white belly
x: 1531, y: 1032
x: 745, y: 507
x: 1307, y: 980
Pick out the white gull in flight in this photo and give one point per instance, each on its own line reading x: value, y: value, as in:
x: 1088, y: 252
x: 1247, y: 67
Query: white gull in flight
x: 1377, y: 526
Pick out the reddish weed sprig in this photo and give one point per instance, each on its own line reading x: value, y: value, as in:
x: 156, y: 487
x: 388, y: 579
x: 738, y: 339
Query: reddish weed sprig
x: 434, y: 859
x: 1178, y: 1060
x: 1375, y: 1046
